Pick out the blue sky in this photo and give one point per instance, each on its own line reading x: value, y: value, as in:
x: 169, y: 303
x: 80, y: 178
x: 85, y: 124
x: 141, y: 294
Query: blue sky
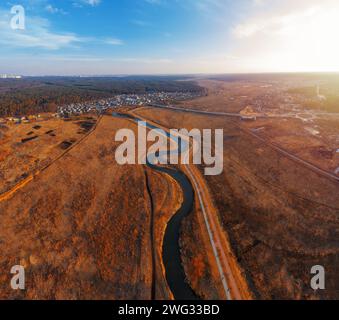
x: 89, y: 37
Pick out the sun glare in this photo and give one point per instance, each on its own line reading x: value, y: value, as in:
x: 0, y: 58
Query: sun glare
x: 299, y: 41
x: 315, y: 40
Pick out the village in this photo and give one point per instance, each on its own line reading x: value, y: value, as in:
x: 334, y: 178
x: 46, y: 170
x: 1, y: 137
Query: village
x: 125, y: 100
x: 101, y: 105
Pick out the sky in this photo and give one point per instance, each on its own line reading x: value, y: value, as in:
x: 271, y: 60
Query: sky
x: 112, y: 37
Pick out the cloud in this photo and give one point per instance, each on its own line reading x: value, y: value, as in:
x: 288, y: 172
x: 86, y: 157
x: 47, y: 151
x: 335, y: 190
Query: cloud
x: 114, y: 41
x: 92, y: 2
x: 37, y: 34
x: 54, y: 10
x: 209, y: 5
x: 80, y: 3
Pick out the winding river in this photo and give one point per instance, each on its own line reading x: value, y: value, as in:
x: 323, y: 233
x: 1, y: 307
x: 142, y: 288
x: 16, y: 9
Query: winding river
x: 175, y: 274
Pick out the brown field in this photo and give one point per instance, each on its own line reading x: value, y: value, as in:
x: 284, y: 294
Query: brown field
x: 82, y: 227
x: 225, y: 96
x: 281, y: 218
x: 26, y: 148
x: 314, y: 141
x: 85, y: 227
x: 198, y: 260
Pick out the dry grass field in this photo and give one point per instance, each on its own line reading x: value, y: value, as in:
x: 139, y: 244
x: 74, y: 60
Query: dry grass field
x: 281, y: 218
x: 316, y: 141
x: 26, y: 148
x: 82, y: 227
x: 225, y: 96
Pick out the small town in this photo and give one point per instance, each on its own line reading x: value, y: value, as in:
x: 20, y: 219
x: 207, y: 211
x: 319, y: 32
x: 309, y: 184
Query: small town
x: 104, y: 104
x: 125, y: 100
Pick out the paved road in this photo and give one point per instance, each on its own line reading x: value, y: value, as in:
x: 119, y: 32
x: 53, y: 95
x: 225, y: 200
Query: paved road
x: 228, y: 114
x: 210, y: 113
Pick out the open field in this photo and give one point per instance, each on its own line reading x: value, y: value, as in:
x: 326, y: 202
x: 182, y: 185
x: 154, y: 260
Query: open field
x: 281, y: 218
x: 82, y: 227
x: 225, y: 96
x: 316, y: 141
x: 27, y: 148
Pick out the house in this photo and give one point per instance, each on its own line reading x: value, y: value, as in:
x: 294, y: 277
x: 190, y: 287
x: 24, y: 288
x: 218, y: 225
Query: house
x: 248, y: 118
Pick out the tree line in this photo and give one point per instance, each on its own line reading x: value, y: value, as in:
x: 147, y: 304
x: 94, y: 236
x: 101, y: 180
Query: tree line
x: 38, y: 95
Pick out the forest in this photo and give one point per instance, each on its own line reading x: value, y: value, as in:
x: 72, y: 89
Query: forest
x: 44, y: 94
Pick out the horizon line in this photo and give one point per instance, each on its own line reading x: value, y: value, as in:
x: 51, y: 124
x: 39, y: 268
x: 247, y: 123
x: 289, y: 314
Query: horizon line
x: 170, y: 74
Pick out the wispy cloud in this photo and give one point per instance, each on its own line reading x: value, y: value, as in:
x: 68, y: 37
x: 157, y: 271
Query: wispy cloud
x: 92, y: 2
x: 54, y: 10
x: 81, y: 3
x: 37, y: 34
x: 113, y: 41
